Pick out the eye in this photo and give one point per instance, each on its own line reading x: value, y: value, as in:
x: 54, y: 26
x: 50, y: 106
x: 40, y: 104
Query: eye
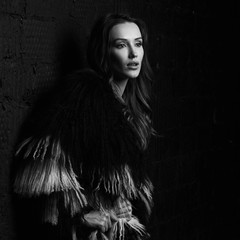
x: 120, y: 45
x: 139, y: 44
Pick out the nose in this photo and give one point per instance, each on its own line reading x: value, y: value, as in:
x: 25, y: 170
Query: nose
x: 132, y: 53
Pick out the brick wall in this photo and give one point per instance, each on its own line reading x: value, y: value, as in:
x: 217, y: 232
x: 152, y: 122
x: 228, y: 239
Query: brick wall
x: 42, y: 40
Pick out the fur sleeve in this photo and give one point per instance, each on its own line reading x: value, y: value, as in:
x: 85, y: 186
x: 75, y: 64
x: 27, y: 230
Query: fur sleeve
x: 46, y: 157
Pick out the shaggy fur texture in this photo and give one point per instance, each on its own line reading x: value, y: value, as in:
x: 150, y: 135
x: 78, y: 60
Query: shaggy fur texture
x: 83, y: 153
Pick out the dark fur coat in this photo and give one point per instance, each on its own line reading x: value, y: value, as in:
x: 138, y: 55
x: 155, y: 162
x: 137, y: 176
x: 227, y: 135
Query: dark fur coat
x: 81, y: 155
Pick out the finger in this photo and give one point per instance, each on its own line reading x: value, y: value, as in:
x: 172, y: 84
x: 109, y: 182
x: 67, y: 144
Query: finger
x: 108, y: 221
x: 124, y: 214
x: 130, y: 208
x: 128, y: 203
x: 113, y: 216
x: 121, y: 202
x: 124, y: 210
x: 128, y: 216
x: 103, y: 226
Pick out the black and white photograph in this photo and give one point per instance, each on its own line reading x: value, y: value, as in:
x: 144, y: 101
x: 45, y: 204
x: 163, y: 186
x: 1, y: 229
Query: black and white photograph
x: 119, y: 120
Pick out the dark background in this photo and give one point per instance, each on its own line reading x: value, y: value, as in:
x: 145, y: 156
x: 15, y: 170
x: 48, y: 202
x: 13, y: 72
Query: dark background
x: 194, y: 54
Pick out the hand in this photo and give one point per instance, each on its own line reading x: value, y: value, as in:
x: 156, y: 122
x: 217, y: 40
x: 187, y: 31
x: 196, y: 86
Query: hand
x: 100, y: 220
x: 123, y: 208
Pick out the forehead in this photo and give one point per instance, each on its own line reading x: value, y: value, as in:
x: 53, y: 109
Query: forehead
x: 125, y: 30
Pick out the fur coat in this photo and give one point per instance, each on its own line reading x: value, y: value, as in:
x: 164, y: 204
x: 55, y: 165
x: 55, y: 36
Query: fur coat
x: 82, y: 155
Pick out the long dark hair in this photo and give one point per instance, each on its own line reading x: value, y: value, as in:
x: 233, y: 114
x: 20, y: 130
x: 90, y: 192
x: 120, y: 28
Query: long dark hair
x: 137, y: 92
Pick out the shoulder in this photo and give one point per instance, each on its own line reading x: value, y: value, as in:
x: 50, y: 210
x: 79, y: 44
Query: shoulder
x: 88, y: 87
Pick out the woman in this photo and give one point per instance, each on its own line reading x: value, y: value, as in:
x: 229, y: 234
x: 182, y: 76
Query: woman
x: 85, y: 158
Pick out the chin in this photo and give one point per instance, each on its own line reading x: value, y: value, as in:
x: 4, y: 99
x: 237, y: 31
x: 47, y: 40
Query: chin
x: 132, y: 74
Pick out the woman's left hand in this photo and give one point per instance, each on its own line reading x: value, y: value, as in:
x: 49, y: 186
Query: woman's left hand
x: 100, y: 220
x: 123, y: 208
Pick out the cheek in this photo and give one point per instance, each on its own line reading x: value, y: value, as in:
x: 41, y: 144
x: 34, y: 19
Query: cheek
x: 141, y: 54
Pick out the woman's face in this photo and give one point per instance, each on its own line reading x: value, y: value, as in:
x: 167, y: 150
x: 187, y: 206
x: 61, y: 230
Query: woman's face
x: 126, y: 51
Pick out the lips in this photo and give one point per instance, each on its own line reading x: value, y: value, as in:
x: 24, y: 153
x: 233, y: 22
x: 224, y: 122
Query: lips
x: 133, y: 64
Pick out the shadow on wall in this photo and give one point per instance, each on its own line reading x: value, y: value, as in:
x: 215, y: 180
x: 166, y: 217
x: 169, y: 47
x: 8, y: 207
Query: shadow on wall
x: 70, y: 51
x: 27, y: 211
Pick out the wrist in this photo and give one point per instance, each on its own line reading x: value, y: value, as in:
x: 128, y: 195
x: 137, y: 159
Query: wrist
x: 79, y: 218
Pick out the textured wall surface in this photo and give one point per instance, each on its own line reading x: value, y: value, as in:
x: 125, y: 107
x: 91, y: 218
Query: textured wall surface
x: 195, y: 100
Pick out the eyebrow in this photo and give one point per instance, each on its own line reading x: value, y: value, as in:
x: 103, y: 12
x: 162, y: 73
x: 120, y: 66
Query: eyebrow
x: 124, y: 39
